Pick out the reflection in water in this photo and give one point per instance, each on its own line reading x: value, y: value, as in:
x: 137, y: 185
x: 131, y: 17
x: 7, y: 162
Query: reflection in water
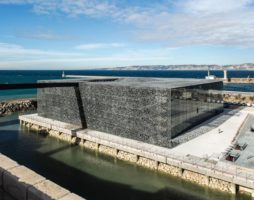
x: 91, y: 175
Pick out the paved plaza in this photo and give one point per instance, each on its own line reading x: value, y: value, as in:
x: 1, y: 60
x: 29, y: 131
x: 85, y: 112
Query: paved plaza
x: 214, y: 143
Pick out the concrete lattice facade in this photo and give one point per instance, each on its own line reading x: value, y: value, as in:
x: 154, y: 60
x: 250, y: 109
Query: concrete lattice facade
x: 145, y: 109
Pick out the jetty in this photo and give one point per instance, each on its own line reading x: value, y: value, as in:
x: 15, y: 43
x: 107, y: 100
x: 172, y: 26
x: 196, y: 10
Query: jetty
x: 236, y: 80
x: 227, y: 79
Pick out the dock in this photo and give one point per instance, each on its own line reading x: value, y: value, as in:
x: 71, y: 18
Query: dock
x: 236, y: 80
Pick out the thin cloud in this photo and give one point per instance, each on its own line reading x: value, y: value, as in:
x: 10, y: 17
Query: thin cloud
x: 93, y: 8
x: 198, y: 22
x: 17, y: 56
x: 215, y: 6
x: 182, y: 23
x: 99, y: 46
x: 14, y: 50
x: 44, y: 35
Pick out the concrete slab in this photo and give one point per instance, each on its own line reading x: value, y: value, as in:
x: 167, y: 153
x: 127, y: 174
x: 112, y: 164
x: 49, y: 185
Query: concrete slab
x: 246, y: 158
x: 216, y: 141
x: 46, y: 190
x: 49, y: 123
x: 204, y: 127
x: 5, y: 164
x: 71, y: 196
x: 17, y: 180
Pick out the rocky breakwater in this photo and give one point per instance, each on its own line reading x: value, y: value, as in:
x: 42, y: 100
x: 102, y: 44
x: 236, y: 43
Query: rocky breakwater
x: 236, y: 97
x: 21, y: 105
x: 239, y: 98
x: 236, y: 80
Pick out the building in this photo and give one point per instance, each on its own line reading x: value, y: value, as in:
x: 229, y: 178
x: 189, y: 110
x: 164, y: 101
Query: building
x: 152, y: 110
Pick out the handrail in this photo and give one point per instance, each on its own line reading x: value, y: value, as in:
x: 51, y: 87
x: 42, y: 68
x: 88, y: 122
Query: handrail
x: 15, y: 86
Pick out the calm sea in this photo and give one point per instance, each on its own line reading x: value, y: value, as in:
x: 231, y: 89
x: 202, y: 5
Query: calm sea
x: 8, y: 76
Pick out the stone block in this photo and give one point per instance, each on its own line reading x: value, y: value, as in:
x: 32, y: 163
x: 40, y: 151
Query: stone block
x: 108, y: 150
x: 17, y: 180
x: 122, y: 155
x: 46, y: 190
x: 145, y: 162
x: 71, y: 196
x: 64, y: 130
x: 5, y: 164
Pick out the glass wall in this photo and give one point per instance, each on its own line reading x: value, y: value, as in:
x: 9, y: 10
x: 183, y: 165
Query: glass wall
x: 192, y: 105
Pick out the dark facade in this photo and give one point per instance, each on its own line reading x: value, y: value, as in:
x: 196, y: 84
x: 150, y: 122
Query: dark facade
x: 193, y: 105
x: 145, y: 109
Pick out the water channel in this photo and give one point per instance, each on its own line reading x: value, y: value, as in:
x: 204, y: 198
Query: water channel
x: 92, y: 175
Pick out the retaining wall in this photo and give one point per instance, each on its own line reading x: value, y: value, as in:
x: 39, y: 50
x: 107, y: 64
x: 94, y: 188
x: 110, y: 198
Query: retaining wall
x: 236, y: 80
x: 212, y: 175
x: 24, y: 184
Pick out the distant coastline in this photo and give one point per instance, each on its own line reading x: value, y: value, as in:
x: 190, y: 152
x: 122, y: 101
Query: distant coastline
x: 190, y: 67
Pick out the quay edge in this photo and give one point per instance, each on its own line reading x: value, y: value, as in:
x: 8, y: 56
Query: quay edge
x: 157, y: 158
x: 24, y: 184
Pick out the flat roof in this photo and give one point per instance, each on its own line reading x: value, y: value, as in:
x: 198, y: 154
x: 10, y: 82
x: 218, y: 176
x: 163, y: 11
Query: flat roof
x: 138, y: 82
x: 162, y: 83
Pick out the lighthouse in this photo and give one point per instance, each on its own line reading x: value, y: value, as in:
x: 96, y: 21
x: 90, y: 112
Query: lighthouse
x: 209, y: 76
x: 225, y: 74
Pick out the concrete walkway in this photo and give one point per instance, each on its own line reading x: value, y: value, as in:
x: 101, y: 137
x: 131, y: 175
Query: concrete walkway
x: 215, y: 142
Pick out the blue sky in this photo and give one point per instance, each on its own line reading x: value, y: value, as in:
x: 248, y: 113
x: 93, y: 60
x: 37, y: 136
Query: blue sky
x: 82, y: 34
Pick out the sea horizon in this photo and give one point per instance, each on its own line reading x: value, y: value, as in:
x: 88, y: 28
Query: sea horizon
x: 32, y: 76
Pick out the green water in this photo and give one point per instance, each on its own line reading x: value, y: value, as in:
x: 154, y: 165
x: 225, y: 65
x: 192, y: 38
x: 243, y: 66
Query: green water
x: 92, y: 175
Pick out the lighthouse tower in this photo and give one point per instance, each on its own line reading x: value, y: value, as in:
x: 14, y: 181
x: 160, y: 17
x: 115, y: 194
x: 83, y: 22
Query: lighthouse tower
x: 225, y: 74
x: 209, y: 76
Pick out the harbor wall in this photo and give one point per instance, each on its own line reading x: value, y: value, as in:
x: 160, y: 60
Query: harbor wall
x: 195, y: 170
x: 241, y: 98
x: 24, y: 184
x: 236, y: 80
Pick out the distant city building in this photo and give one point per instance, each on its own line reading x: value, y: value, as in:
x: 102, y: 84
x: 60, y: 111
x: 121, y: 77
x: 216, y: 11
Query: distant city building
x: 152, y: 110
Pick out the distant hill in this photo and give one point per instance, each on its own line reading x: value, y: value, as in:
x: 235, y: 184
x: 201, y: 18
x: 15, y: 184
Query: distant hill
x: 246, y: 66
